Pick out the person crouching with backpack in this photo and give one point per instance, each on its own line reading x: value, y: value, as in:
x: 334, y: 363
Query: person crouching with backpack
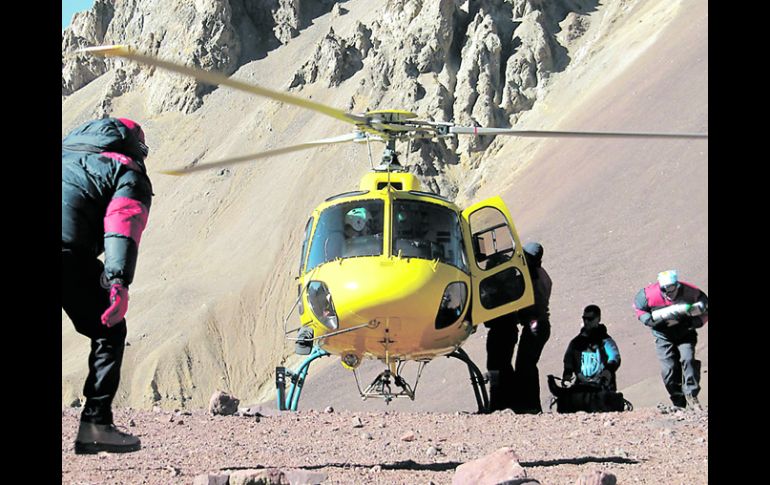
x: 593, y: 357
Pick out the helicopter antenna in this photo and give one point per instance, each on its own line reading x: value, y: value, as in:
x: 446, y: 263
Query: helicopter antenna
x: 390, y: 187
x: 369, y: 148
x: 408, y: 149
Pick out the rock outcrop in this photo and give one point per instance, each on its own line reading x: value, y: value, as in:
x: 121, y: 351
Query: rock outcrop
x: 334, y: 61
x: 217, y: 35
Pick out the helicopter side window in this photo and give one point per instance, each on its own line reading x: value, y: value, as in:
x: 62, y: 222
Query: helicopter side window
x: 346, y: 230
x: 427, y: 231
x: 493, y: 243
x: 308, y: 228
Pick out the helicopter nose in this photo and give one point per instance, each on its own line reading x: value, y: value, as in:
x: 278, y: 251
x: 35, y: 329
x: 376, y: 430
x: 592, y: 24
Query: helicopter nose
x: 365, y: 289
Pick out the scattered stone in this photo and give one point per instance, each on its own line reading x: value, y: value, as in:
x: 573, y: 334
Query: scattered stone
x: 131, y: 422
x: 248, y: 412
x: 432, y: 451
x: 259, y: 411
x: 607, y: 424
x: 265, y: 476
x: 408, y: 436
x: 596, y: 477
x: 666, y: 432
x: 303, y: 477
x: 382, y: 425
x: 356, y: 422
x: 375, y: 469
x: 329, y: 410
x: 366, y: 436
x: 180, y: 422
x: 500, y: 466
x: 174, y: 471
x: 211, y: 479
x: 621, y: 452
x: 223, y: 403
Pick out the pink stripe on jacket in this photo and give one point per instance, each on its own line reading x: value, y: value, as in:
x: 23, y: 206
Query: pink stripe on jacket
x: 119, y: 157
x: 127, y: 217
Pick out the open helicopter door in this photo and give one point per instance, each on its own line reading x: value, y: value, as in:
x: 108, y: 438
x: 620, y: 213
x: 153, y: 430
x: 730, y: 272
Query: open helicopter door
x: 500, y: 277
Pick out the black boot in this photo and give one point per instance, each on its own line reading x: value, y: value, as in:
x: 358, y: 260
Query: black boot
x: 678, y: 400
x: 93, y: 438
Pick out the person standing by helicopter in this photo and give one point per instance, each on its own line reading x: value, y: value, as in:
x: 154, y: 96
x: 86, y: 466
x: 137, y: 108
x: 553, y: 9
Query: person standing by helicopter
x: 535, y: 332
x: 106, y: 197
x: 674, y: 310
x: 519, y: 389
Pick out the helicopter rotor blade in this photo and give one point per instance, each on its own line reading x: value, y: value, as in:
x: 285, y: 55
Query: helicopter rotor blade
x: 218, y: 79
x: 269, y: 153
x: 480, y: 130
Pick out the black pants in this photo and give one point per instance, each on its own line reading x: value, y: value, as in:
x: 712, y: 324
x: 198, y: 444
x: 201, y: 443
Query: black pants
x: 84, y: 301
x: 527, y: 376
x: 517, y: 389
x: 501, y: 342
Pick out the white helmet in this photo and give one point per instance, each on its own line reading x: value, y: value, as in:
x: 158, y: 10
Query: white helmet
x: 666, y: 278
x: 357, y: 218
x: 669, y: 282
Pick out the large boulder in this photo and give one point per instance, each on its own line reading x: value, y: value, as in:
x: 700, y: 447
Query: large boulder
x: 223, y: 403
x: 498, y: 467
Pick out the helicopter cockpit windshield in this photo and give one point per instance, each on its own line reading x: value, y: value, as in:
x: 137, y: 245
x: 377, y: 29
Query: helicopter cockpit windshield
x: 427, y: 231
x: 347, y: 230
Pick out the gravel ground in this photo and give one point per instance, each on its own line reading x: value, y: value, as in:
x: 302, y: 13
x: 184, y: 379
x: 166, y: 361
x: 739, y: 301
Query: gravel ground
x: 646, y: 446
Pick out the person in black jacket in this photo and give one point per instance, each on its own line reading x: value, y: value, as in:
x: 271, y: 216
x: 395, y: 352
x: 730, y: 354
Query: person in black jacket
x: 592, y: 356
x: 106, y: 197
x: 519, y: 388
x: 535, y: 331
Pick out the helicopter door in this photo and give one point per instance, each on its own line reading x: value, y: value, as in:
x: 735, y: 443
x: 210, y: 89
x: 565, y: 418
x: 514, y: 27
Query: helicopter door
x: 499, y: 274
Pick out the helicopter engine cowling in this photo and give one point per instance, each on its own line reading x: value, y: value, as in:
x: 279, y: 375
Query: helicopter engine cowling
x: 400, y: 299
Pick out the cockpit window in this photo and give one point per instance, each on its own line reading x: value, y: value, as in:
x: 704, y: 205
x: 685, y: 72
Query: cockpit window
x: 308, y: 227
x: 427, y: 231
x: 347, y: 230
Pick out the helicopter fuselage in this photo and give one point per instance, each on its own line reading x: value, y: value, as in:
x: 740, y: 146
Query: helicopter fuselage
x: 387, y: 272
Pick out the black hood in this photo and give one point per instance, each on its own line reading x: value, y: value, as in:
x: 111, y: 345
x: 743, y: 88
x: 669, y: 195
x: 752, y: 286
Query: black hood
x: 534, y: 254
x: 598, y: 333
x: 105, y: 135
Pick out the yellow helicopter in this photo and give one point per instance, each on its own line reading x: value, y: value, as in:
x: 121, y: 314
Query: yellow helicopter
x: 390, y: 271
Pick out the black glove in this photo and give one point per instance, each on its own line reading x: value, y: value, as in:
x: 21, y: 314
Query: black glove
x: 605, y: 377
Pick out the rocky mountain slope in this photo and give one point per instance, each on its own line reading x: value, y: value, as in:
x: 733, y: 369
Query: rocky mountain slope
x: 216, y: 267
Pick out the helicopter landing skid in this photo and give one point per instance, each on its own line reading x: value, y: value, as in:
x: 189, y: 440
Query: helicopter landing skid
x: 289, y: 401
x: 477, y: 380
x: 381, y: 385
